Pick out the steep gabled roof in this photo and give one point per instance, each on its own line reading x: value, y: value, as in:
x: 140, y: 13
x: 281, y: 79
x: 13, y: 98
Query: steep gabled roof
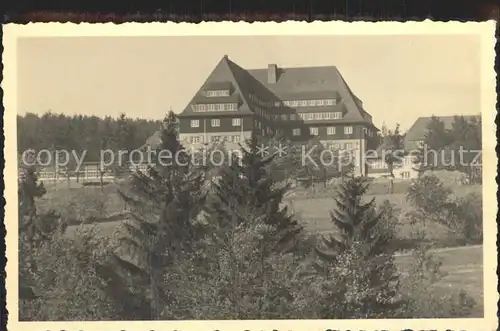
x: 221, y: 76
x: 418, y: 130
x: 292, y: 84
x: 310, y: 82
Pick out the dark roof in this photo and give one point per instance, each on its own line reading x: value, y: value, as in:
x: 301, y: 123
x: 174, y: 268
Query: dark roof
x: 291, y: 84
x: 311, y: 95
x: 218, y: 86
x: 154, y: 140
x: 200, y: 98
x: 418, y: 130
x: 309, y: 82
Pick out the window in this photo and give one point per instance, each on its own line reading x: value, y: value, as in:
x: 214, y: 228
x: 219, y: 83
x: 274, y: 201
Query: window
x: 320, y: 102
x: 293, y: 117
x: 313, y: 131
x: 215, y: 139
x: 303, y: 103
x: 200, y: 108
x: 215, y: 93
x: 236, y: 121
x: 330, y: 102
x: 235, y: 139
x: 348, y: 130
x: 348, y: 146
x: 330, y: 130
x: 195, y: 123
x: 318, y: 116
x: 405, y: 174
x: 215, y: 122
x: 296, y: 132
x: 294, y: 103
x: 284, y: 117
x: 195, y: 139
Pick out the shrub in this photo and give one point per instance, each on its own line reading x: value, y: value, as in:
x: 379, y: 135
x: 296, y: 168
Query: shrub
x: 468, y: 218
x: 68, y: 285
x: 428, y: 193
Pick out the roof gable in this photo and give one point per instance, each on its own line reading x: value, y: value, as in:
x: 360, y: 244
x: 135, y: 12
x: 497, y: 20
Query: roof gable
x: 221, y: 76
x: 418, y: 130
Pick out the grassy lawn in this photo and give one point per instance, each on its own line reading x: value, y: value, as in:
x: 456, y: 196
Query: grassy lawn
x: 463, y: 267
x: 315, y: 212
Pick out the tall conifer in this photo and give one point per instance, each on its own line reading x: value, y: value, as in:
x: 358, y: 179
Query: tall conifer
x: 359, y: 258
x: 164, y: 203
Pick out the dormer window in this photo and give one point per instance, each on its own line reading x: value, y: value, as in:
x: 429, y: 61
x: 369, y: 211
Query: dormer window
x: 217, y: 93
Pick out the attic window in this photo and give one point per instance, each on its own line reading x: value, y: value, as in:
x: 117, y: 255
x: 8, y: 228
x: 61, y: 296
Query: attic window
x: 217, y: 93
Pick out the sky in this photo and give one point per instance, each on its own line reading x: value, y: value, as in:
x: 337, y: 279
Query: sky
x: 399, y: 78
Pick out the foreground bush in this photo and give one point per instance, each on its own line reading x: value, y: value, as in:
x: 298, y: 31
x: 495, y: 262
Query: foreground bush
x: 68, y: 285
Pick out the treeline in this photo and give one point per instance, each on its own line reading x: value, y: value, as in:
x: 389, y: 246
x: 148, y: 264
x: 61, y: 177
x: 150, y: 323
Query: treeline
x: 231, y: 252
x: 80, y: 132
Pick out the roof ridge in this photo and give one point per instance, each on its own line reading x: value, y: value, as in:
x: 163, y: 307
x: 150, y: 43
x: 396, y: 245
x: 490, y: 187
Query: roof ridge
x: 229, y: 63
x: 349, y: 95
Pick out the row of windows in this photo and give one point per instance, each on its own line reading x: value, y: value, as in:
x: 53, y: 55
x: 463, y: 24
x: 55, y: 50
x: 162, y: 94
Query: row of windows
x: 217, y: 93
x: 215, y: 122
x: 293, y: 103
x: 314, y: 131
x: 310, y: 103
x: 342, y: 146
x: 215, y: 139
x: 215, y: 107
x: 320, y: 116
x: 301, y: 116
x: 331, y: 130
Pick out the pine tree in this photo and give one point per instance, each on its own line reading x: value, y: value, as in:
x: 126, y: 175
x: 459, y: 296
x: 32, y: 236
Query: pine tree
x: 359, y: 259
x: 164, y: 203
x: 247, y: 181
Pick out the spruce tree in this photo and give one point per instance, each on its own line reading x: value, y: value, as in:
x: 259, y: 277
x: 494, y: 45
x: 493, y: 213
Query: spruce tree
x: 249, y: 255
x: 246, y: 180
x: 359, y: 259
x: 164, y: 203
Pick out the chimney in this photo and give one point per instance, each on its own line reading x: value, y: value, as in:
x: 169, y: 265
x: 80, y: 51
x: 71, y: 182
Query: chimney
x: 272, y: 73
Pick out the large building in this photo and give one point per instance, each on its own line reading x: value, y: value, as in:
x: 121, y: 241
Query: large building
x: 298, y: 103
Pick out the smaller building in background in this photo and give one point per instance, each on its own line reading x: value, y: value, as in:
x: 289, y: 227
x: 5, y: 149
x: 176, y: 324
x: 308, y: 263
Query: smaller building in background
x: 413, y: 141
